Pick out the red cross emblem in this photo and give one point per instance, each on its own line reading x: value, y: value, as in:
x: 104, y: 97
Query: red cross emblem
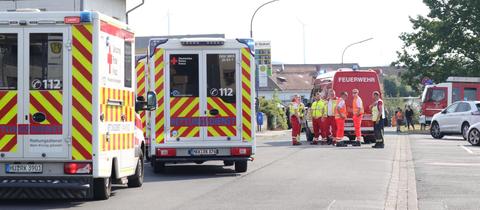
x: 174, y: 61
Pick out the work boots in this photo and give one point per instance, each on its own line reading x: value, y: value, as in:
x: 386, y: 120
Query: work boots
x: 378, y: 145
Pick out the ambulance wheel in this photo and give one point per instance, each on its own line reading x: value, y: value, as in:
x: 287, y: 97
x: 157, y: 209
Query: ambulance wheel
x: 136, y: 180
x: 228, y: 162
x: 240, y: 166
x: 308, y: 134
x: 102, y: 188
x: 158, y: 167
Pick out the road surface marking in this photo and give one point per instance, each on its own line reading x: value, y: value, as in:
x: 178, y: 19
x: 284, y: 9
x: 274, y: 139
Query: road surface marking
x: 331, y: 204
x: 453, y: 164
x: 468, y: 150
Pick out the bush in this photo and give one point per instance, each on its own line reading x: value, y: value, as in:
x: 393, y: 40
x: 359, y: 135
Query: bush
x: 274, y: 111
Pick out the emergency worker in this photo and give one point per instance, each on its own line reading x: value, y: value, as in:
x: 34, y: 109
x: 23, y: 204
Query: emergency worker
x: 296, y: 114
x: 330, y: 124
x: 340, y: 116
x: 378, y: 117
x: 318, y: 111
x: 358, y: 111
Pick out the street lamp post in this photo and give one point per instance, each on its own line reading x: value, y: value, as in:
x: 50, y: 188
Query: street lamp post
x: 343, y: 53
x: 257, y: 104
x: 253, y: 16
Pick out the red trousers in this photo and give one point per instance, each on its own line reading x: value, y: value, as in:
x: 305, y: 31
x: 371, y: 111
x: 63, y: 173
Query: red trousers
x: 357, y: 122
x: 340, y: 128
x: 330, y: 126
x: 296, y: 128
x: 317, y: 127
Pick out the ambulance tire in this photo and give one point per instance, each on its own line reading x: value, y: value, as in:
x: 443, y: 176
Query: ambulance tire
x: 241, y: 166
x: 158, y: 167
x: 102, y: 188
x: 228, y: 162
x: 136, y: 180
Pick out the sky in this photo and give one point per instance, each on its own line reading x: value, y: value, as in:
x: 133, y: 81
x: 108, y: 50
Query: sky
x: 330, y: 25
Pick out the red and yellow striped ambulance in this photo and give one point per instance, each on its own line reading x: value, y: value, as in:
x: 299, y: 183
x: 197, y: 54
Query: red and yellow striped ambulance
x: 205, y: 96
x: 68, y: 121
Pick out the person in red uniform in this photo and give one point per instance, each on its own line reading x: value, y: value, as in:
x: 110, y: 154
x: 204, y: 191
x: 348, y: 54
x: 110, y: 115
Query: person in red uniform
x: 296, y: 114
x: 330, y: 125
x: 358, y: 111
x: 340, y: 116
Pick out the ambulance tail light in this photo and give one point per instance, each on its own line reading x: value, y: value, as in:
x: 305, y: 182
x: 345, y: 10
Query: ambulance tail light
x: 166, y: 152
x: 77, y: 168
x: 367, y: 123
x: 241, y: 151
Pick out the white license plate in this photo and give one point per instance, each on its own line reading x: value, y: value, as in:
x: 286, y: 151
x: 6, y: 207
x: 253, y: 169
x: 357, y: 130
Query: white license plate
x: 23, y: 168
x: 348, y: 124
x: 200, y: 152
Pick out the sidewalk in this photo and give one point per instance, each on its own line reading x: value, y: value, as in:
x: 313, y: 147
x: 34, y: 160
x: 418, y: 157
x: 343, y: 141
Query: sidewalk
x: 270, y: 133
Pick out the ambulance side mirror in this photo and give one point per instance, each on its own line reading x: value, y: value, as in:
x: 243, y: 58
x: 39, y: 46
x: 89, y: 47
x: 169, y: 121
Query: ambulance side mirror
x: 151, y: 101
x: 149, y: 105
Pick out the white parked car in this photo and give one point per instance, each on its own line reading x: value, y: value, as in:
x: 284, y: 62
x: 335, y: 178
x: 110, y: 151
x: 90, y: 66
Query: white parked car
x: 474, y: 134
x: 455, y: 119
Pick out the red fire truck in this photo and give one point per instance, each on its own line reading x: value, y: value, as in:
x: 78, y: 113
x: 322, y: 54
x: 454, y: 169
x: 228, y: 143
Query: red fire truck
x: 438, y: 96
x: 366, y: 81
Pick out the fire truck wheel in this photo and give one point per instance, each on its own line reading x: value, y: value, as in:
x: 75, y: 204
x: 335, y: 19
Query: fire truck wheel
x: 136, y: 180
x: 228, y: 163
x: 351, y: 138
x: 240, y: 166
x: 102, y: 187
x: 158, y: 167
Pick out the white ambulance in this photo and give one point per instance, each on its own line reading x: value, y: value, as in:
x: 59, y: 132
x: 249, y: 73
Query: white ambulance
x: 68, y: 122
x: 205, y: 92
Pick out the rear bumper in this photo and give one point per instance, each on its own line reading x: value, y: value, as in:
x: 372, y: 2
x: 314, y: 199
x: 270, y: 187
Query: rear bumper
x: 33, y: 187
x: 186, y: 159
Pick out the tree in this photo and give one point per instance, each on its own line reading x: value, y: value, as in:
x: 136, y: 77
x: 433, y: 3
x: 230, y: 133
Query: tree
x: 273, y: 111
x: 445, y: 43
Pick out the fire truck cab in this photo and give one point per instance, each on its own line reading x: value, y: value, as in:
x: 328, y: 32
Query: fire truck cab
x: 437, y: 97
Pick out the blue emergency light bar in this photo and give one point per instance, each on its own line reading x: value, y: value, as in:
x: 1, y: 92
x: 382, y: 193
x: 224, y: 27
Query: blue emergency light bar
x: 85, y: 17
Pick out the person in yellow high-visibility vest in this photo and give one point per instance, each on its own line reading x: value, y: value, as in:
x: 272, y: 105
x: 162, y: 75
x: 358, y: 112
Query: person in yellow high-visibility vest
x: 358, y: 111
x: 318, y: 111
x: 296, y: 115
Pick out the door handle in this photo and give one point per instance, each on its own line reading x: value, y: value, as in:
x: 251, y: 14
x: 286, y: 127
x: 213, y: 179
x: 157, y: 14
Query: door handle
x: 214, y: 112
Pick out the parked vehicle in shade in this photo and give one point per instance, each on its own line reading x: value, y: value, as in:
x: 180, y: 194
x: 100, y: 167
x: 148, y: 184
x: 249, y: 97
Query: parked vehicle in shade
x: 455, y: 119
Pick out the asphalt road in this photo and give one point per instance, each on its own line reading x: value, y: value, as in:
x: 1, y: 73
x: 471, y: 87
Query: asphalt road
x: 443, y: 173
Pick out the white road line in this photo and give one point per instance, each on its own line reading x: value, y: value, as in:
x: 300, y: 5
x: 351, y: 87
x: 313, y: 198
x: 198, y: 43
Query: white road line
x: 453, y: 164
x: 466, y: 149
x: 331, y: 204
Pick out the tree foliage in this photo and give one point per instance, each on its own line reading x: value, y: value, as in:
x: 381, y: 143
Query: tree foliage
x: 393, y: 88
x: 444, y: 43
x: 272, y: 109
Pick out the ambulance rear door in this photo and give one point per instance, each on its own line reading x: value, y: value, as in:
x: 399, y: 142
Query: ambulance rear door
x: 223, y: 95
x: 33, y: 99
x: 182, y: 98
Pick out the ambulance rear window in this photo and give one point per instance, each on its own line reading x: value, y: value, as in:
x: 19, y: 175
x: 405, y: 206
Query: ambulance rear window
x: 221, y: 77
x: 8, y: 61
x: 184, y: 75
